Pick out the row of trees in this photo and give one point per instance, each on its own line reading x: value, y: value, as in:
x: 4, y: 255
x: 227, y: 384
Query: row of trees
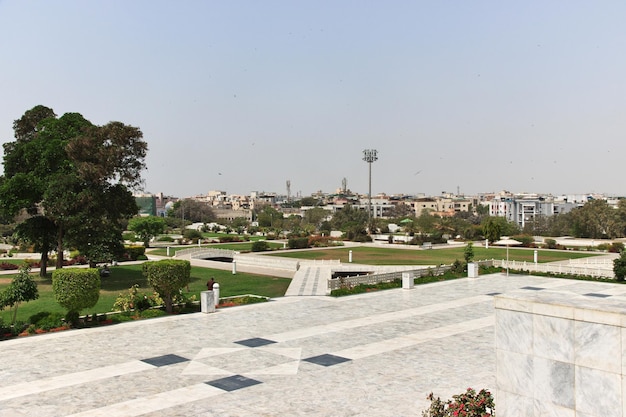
x: 596, y: 220
x: 67, y: 183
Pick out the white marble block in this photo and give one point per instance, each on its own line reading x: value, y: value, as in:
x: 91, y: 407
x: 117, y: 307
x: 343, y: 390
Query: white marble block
x: 207, y: 302
x: 560, y: 354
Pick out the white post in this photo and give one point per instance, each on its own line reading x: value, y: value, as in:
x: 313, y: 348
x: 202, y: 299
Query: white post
x: 350, y: 256
x: 407, y: 280
x: 234, y: 267
x: 168, y: 251
x: 486, y: 243
x: 507, y: 260
x: 207, y: 302
x: 535, y: 257
x: 216, y: 293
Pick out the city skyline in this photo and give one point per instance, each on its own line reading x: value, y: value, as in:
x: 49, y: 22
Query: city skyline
x: 244, y: 96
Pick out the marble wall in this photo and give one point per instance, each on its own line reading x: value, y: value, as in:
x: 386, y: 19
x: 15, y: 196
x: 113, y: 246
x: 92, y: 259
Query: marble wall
x: 560, y: 355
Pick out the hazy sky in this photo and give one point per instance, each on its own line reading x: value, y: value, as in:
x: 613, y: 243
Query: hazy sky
x: 242, y: 96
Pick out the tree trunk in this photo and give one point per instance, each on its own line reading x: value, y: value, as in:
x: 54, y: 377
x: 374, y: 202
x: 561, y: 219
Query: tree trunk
x: 43, y: 263
x: 60, y: 248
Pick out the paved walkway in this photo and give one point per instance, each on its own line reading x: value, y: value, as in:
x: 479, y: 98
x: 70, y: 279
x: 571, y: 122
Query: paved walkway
x: 375, y: 354
x: 313, y: 279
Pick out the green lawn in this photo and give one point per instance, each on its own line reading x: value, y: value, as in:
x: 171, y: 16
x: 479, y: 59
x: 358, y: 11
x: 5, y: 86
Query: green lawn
x: 390, y: 256
x: 124, y: 276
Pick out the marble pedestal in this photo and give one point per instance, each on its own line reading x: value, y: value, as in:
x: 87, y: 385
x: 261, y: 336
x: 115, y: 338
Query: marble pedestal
x: 408, y: 280
x: 207, y: 302
x: 560, y: 354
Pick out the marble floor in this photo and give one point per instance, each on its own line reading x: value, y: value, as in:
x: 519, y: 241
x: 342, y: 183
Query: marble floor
x: 374, y: 354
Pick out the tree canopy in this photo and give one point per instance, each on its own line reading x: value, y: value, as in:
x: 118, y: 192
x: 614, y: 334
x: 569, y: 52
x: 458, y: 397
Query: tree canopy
x: 76, y: 176
x: 147, y: 227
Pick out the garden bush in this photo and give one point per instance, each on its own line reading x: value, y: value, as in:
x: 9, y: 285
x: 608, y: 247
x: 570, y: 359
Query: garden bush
x: 131, y: 253
x: 167, y: 277
x: 229, y: 239
x: 192, y: 234
x: 7, y: 265
x: 76, y: 289
x: 550, y: 244
x: 468, y: 404
x: 260, y: 246
x: 527, y: 240
x: 298, y: 243
x: 46, y: 320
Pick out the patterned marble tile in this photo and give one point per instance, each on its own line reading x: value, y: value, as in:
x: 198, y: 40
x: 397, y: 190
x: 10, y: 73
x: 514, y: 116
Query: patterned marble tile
x: 165, y: 360
x: 233, y: 383
x: 327, y: 360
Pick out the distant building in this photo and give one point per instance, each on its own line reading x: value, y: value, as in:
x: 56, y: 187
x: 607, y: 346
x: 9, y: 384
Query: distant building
x: 146, y: 204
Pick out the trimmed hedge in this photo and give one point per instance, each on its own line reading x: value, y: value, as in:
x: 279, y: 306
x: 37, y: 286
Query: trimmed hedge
x: 167, y: 277
x: 76, y: 289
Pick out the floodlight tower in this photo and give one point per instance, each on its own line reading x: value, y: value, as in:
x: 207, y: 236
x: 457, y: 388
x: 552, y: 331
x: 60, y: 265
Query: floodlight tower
x: 369, y: 156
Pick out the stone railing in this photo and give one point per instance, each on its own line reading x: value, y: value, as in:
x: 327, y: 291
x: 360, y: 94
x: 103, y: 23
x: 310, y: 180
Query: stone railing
x: 372, y: 279
x: 570, y: 269
x: 199, y: 253
x: 273, y: 262
x: 320, y: 262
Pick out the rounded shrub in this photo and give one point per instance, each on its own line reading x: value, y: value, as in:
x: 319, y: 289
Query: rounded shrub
x: 260, y: 246
x: 76, y: 289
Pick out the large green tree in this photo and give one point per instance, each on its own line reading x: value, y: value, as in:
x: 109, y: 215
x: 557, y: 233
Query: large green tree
x: 193, y: 211
x: 147, y: 227
x: 596, y: 220
x: 76, y: 175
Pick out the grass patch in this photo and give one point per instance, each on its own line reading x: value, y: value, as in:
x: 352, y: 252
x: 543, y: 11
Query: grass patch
x: 391, y: 256
x: 124, y: 276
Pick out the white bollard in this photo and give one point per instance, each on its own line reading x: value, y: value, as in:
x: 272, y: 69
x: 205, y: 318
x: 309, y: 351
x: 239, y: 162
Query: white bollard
x: 207, y: 302
x: 234, y: 267
x: 168, y: 251
x: 408, y: 280
x: 350, y: 256
x: 216, y: 293
x: 472, y: 270
x: 535, y: 257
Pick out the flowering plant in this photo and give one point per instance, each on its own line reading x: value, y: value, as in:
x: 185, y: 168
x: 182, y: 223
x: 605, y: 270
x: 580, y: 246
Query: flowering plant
x: 468, y: 404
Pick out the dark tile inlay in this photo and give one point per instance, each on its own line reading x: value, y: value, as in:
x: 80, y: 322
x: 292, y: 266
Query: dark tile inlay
x: 494, y: 293
x: 232, y: 383
x: 533, y: 288
x: 593, y: 294
x: 326, y: 360
x: 255, y: 342
x: 165, y: 360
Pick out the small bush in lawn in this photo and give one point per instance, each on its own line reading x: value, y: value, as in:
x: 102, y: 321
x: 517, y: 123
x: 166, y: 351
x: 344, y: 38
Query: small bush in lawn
x: 192, y: 235
x: 153, y: 312
x: 46, y: 320
x: 298, y: 243
x: 260, y: 246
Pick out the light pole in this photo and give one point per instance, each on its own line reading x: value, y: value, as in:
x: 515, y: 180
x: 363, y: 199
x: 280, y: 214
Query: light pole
x: 369, y: 156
